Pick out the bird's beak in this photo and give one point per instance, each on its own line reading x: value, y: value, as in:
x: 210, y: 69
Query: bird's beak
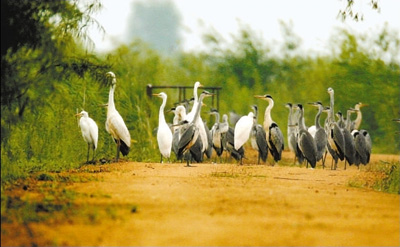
x: 103, y: 105
x: 259, y: 96
x: 363, y: 105
x: 78, y: 115
x: 155, y: 94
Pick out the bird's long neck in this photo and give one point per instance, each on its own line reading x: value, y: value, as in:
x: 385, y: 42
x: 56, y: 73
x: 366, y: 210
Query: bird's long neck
x: 302, y: 125
x: 161, y: 117
x: 255, y: 115
x: 357, y: 122
x: 290, y: 116
x: 198, y: 108
x: 111, y: 105
x: 267, y: 115
x: 332, y: 103
x: 217, y: 117
x: 317, y: 117
x: 348, y: 121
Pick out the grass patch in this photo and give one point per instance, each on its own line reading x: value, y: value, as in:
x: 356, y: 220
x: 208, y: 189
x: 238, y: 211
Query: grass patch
x: 382, y: 176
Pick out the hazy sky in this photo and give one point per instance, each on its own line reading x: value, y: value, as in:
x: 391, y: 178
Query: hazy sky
x: 313, y: 20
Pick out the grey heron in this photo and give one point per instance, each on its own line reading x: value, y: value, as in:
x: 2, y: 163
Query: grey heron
x: 350, y: 151
x: 209, y: 148
x: 292, y: 133
x: 90, y: 133
x: 216, y: 134
x: 305, y: 141
x: 199, y: 122
x: 363, y: 146
x: 259, y: 138
x: 224, y: 128
x: 164, y: 133
x: 357, y: 122
x: 190, y: 131
x: 336, y: 144
x: 115, y: 124
x: 320, y: 136
x: 273, y: 132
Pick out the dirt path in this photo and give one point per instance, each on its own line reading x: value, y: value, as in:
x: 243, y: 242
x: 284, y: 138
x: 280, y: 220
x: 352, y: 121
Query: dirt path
x: 128, y: 204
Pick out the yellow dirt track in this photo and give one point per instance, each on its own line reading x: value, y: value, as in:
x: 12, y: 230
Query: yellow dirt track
x: 210, y: 204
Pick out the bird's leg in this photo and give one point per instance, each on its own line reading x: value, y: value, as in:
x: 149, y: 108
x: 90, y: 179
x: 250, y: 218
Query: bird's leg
x: 161, y: 158
x: 94, y: 154
x: 324, y: 159
x: 118, y: 148
x: 187, y: 162
x: 345, y: 162
x: 87, y: 157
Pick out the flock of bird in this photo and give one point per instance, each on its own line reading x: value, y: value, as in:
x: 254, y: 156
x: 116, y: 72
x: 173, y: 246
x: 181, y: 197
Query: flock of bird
x: 190, y: 139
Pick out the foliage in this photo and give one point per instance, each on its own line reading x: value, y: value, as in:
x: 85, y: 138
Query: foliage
x: 44, y: 89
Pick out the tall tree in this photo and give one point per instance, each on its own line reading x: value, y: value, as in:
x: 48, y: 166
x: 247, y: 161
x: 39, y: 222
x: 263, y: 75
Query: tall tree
x: 39, y: 48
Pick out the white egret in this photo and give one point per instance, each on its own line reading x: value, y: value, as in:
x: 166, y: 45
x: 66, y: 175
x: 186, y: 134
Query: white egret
x: 90, y: 132
x: 164, y: 133
x: 242, y: 130
x: 115, y: 125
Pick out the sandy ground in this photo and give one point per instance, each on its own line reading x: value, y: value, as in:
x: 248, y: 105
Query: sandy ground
x: 152, y: 204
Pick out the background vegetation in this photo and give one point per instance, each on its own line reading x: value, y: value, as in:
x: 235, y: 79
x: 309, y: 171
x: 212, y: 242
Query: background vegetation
x: 49, y: 75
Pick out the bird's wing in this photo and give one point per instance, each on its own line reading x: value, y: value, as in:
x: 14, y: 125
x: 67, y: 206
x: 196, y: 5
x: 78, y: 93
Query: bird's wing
x: 242, y: 131
x: 361, y: 147
x: 261, y: 141
x: 94, y: 131
x: 339, y: 140
x: 276, y: 143
x: 186, y: 138
x: 307, y: 147
x: 321, y: 142
x: 118, y: 129
x: 164, y: 139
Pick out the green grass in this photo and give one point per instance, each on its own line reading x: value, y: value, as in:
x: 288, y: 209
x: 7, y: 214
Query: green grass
x: 383, y: 176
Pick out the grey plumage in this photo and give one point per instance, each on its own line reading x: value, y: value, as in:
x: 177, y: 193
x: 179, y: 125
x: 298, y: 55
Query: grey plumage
x: 306, y: 141
x: 320, y: 136
x: 336, y: 144
x: 190, y: 133
x: 216, y: 135
x: 259, y: 138
x: 273, y: 132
